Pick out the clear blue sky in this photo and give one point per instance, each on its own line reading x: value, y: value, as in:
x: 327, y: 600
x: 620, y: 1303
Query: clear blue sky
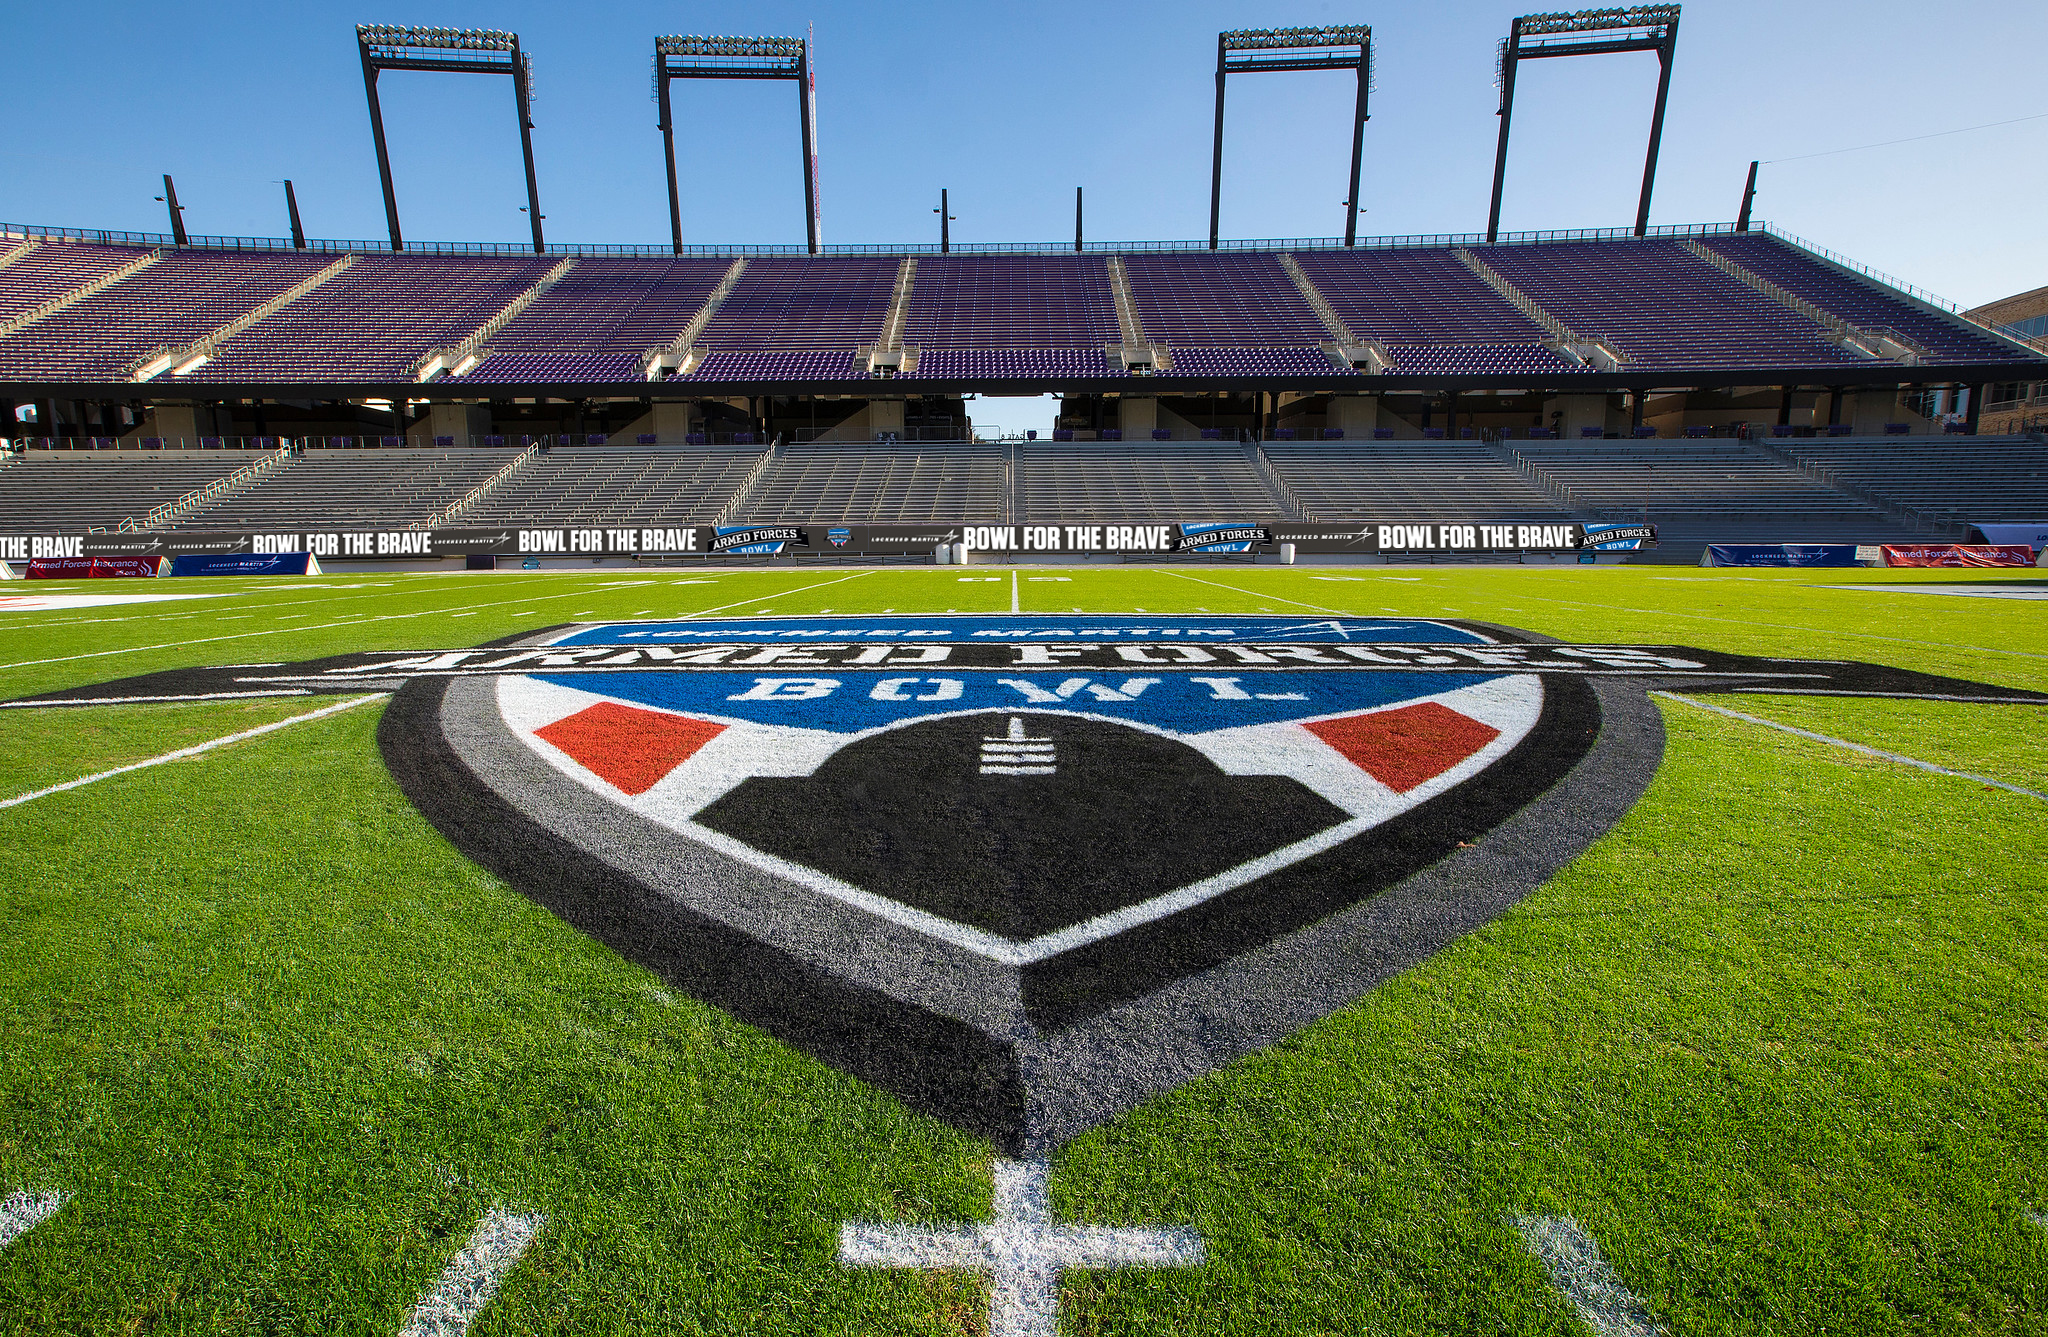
x: 1013, y: 106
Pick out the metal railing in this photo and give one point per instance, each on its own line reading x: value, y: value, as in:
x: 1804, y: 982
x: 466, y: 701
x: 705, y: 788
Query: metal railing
x: 114, y: 237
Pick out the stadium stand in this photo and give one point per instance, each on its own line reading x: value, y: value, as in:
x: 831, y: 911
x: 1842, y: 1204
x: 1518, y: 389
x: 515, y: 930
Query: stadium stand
x: 375, y: 320
x: 1946, y: 479
x: 1220, y: 301
x: 1662, y: 306
x: 42, y: 271
x: 179, y: 300
x: 825, y: 304
x: 599, y: 319
x: 880, y: 483
x: 1723, y: 490
x: 1339, y: 480
x: 77, y: 491
x: 380, y: 489
x: 591, y: 485
x: 1012, y: 301
x: 1089, y: 481
x: 1860, y: 300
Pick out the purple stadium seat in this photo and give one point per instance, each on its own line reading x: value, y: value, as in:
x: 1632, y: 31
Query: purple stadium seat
x: 1591, y: 433
x: 1333, y: 434
x: 1897, y: 428
x: 646, y: 439
x: 1162, y: 434
x: 1378, y: 434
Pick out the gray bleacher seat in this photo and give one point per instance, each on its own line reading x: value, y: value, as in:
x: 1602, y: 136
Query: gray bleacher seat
x: 66, y: 492
x: 590, y: 485
x: 881, y: 483
x: 1179, y: 482
x: 351, y: 489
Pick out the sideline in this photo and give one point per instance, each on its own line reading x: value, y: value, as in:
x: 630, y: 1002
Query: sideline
x: 194, y: 750
x: 472, y: 1276
x: 1779, y: 626
x: 363, y: 621
x: 1853, y: 747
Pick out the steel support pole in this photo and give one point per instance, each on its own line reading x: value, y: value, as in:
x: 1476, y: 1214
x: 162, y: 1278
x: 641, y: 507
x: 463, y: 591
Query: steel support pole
x: 1666, y: 50
x: 291, y: 204
x: 1358, y: 143
x: 668, y: 149
x: 945, y: 223
x: 383, y: 153
x: 807, y: 112
x: 1509, y: 61
x: 1748, y: 198
x: 519, y: 92
x: 177, y: 212
x: 1077, y: 218
x: 1216, y: 164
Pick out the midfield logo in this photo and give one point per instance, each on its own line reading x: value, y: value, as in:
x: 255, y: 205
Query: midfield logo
x: 1025, y: 871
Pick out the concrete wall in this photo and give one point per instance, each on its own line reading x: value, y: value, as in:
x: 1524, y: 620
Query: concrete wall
x: 461, y: 421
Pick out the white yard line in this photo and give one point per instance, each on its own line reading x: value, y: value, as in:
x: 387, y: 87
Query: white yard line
x: 1013, y: 594
x: 22, y: 1211
x: 1852, y: 747
x: 784, y: 594
x: 364, y: 621
x: 194, y: 750
x: 1253, y: 594
x: 1572, y: 1258
x: 471, y: 1278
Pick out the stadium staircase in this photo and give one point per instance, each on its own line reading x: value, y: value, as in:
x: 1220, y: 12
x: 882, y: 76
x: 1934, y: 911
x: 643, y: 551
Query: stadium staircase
x: 220, y: 489
x: 456, y: 510
x: 736, y: 504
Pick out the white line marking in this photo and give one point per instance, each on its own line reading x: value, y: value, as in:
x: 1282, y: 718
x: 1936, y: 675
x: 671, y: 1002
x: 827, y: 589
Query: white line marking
x: 194, y: 750
x: 472, y: 1276
x: 133, y: 700
x: 2038, y: 1219
x: 1572, y: 1257
x: 1853, y: 747
x: 22, y: 1211
x: 363, y: 621
x: 1013, y: 594
x: 1022, y: 1251
x: 1250, y: 593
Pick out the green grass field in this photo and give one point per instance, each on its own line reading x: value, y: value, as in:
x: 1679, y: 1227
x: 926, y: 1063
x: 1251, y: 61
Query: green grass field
x: 1779, y: 1040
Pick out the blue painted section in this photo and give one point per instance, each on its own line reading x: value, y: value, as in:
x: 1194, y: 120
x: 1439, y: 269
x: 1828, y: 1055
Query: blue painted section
x: 1305, y: 629
x: 840, y: 699
x: 843, y: 701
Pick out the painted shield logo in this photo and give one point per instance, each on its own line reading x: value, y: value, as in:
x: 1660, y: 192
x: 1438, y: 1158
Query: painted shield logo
x: 1025, y: 871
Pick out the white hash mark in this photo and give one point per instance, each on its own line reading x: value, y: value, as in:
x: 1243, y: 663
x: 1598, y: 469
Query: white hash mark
x: 1017, y: 753
x: 1572, y: 1257
x: 22, y: 1211
x: 1022, y: 1251
x: 472, y: 1276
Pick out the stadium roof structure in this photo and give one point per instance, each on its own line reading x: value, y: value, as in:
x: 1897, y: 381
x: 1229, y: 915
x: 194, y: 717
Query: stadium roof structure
x: 104, y: 316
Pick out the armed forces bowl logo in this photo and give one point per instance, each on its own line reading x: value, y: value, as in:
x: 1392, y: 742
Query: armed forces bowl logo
x: 1024, y: 871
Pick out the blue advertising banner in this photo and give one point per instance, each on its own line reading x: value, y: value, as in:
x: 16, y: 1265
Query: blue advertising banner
x: 265, y: 564
x: 1780, y: 554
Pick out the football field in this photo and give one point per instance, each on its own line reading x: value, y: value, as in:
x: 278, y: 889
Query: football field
x: 1766, y: 1053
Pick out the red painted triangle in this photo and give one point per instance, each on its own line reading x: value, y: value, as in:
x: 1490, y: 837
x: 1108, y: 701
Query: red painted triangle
x: 1406, y: 747
x: 631, y: 749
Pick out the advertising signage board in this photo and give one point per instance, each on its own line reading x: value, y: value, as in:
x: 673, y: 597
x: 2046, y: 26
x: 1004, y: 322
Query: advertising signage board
x: 670, y: 538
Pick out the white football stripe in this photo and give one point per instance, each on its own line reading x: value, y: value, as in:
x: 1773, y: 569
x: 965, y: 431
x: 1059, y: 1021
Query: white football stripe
x: 471, y: 1278
x: 22, y: 1211
x: 1572, y: 1258
x: 194, y: 750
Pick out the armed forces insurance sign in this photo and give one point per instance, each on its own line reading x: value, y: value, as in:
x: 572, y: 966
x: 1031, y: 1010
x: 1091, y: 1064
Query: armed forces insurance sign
x: 1026, y: 870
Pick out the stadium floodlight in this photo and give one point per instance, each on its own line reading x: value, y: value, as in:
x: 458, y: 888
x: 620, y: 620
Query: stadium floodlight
x: 1588, y: 32
x: 1261, y: 50
x: 696, y: 57
x: 448, y: 51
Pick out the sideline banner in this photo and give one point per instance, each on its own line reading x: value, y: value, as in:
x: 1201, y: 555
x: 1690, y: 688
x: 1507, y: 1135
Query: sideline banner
x: 93, y: 568
x: 1780, y: 554
x: 2035, y: 536
x: 662, y: 537
x: 1958, y: 554
x: 274, y: 564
